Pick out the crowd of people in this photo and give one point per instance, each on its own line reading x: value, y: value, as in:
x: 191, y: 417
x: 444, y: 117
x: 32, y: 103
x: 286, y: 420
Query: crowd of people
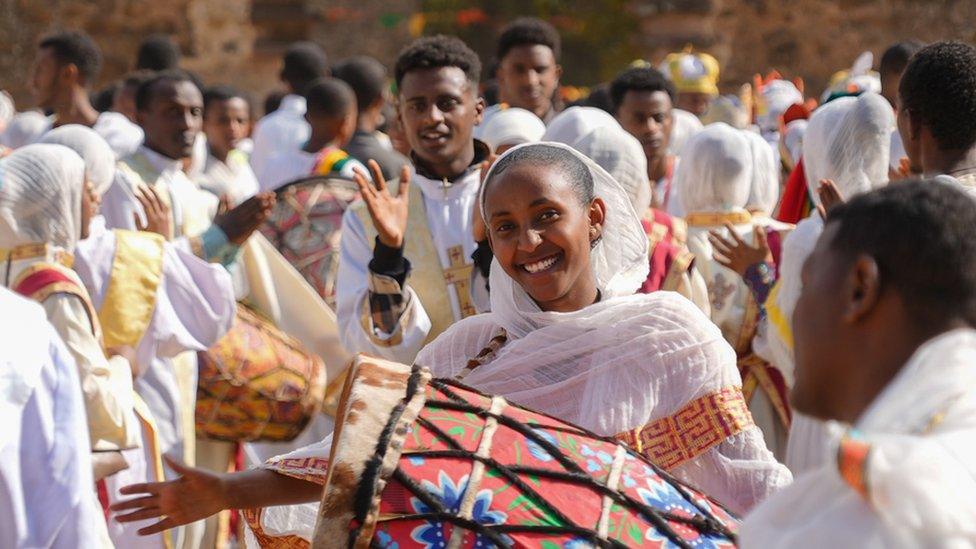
x: 799, y: 271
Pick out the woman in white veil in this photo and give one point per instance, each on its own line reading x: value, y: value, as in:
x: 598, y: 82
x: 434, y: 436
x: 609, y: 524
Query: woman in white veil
x: 616, y: 365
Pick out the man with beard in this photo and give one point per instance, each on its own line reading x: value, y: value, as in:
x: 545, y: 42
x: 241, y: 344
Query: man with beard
x: 528, y: 68
x: 643, y: 103
x: 421, y: 225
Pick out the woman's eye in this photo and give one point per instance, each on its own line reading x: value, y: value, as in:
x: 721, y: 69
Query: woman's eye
x: 504, y: 227
x: 549, y: 215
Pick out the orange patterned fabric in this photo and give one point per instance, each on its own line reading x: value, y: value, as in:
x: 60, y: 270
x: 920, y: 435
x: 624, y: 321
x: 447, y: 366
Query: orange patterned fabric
x: 692, y: 430
x: 852, y: 459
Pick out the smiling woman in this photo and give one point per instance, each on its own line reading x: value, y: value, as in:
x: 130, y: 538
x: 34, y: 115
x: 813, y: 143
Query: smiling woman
x: 568, y: 337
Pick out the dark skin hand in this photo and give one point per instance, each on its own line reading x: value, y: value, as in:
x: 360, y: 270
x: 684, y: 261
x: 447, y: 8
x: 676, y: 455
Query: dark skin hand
x: 388, y: 212
x: 239, y: 223
x: 198, y: 494
x: 736, y: 254
x: 829, y: 196
x: 158, y: 218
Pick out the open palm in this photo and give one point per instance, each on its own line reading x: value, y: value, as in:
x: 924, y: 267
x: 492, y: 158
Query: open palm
x: 388, y: 212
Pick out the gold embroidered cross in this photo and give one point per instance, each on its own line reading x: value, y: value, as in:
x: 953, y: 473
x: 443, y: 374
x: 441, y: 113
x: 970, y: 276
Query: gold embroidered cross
x: 459, y: 274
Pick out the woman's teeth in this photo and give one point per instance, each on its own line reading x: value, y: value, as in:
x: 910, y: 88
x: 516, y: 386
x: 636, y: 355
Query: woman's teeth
x: 542, y: 265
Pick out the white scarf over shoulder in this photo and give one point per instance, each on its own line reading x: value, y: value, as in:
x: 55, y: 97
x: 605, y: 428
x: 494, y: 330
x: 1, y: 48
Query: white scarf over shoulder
x: 616, y: 365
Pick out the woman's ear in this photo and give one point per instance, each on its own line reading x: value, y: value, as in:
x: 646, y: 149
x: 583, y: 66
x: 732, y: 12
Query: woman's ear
x: 598, y: 214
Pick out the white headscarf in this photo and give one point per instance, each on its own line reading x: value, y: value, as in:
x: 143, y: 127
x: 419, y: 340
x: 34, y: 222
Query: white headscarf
x: 40, y: 196
x: 575, y: 122
x: 848, y: 141
x: 622, y: 156
x: 716, y: 172
x: 793, y: 138
x: 619, y: 259
x: 777, y: 96
x: 24, y: 128
x: 512, y: 126
x: 7, y: 109
x: 765, y: 175
x: 95, y: 151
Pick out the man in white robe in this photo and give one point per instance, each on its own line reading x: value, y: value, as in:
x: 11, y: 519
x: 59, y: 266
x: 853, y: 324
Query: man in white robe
x: 226, y: 171
x: 426, y: 225
x: 65, y: 67
x: 886, y: 307
x: 286, y: 129
x: 45, y: 461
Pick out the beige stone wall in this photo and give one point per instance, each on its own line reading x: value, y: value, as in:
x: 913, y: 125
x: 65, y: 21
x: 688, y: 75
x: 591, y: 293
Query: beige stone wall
x: 240, y: 41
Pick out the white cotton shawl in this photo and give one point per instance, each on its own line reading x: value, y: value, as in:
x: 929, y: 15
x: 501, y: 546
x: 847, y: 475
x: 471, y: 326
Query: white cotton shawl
x: 622, y: 156
x: 617, y: 364
x: 24, y: 128
x: 683, y: 128
x: 764, y: 194
x: 40, y: 196
x: 848, y: 142
x: 716, y: 173
x: 512, y: 126
x: 575, y: 122
x: 92, y: 148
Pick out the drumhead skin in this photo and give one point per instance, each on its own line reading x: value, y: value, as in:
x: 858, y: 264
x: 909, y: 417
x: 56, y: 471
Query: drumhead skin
x: 421, y: 462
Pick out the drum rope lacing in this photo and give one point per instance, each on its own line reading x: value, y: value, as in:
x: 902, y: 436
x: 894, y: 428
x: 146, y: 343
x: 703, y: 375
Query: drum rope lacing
x: 704, y: 523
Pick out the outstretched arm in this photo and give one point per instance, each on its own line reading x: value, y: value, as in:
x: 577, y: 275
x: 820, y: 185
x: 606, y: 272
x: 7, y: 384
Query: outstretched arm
x: 198, y: 494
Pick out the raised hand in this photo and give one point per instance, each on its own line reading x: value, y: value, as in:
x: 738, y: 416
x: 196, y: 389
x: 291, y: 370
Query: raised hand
x: 196, y: 495
x: 158, y: 217
x: 240, y: 222
x: 734, y: 253
x: 829, y: 195
x: 388, y: 212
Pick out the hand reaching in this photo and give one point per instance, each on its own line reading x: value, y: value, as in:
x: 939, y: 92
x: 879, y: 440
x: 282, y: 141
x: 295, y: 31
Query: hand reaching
x: 158, y: 216
x: 196, y: 495
x: 388, y: 212
x: 240, y: 222
x: 735, y: 254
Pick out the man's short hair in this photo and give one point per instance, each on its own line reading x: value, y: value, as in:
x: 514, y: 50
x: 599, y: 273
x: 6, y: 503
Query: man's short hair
x: 938, y: 87
x: 920, y: 233
x: 529, y: 31
x: 331, y: 97
x: 642, y: 79
x: 103, y: 99
x: 147, y: 90
x: 137, y: 78
x: 158, y: 52
x: 895, y: 58
x: 437, y: 51
x: 366, y: 76
x: 78, y: 49
x: 303, y: 63
x: 222, y: 93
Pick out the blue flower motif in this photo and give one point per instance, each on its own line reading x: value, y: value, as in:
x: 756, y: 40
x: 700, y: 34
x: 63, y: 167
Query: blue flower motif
x: 415, y: 460
x: 538, y: 452
x: 592, y: 466
x: 663, y: 497
x: 577, y: 543
x: 629, y: 481
x: 587, y: 451
x: 385, y: 540
x: 604, y: 457
x: 431, y: 533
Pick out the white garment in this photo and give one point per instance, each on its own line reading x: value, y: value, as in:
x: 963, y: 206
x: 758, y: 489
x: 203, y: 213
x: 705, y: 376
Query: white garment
x: 448, y: 210
x: 921, y: 469
x: 233, y: 178
x: 575, y: 122
x: 616, y: 365
x: 622, y: 156
x: 847, y: 141
x: 119, y: 132
x: 288, y: 165
x: 793, y: 139
x: 684, y: 126
x: 92, y: 148
x: 764, y: 194
x: 45, y: 461
x: 282, y: 130
x: 24, y: 128
x: 509, y: 127
x: 717, y: 171
x: 897, y: 150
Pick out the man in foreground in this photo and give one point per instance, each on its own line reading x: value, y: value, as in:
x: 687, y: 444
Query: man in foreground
x: 900, y: 335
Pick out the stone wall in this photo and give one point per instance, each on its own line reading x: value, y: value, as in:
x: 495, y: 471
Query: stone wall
x: 240, y: 41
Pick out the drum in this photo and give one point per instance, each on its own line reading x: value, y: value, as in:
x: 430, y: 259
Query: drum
x: 422, y: 462
x: 305, y: 226
x: 257, y: 383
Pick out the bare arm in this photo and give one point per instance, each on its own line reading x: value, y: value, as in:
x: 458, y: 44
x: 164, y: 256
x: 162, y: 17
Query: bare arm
x: 198, y: 494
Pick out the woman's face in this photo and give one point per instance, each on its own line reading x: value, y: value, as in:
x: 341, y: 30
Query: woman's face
x: 541, y: 235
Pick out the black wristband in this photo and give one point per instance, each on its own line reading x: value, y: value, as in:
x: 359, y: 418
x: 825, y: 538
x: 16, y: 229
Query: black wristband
x: 389, y: 262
